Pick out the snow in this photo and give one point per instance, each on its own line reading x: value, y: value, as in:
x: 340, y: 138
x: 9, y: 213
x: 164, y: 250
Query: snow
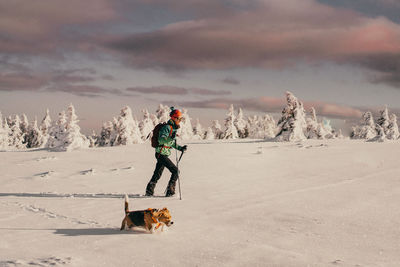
x: 245, y: 203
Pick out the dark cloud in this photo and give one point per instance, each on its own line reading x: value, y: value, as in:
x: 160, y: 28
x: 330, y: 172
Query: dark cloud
x: 231, y: 80
x: 200, y: 91
x: 74, y: 81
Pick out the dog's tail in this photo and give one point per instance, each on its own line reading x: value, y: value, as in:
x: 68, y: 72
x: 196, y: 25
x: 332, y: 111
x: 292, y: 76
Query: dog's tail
x: 126, y: 204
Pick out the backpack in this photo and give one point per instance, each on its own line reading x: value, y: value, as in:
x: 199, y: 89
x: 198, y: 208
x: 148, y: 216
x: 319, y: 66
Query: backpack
x: 156, y: 133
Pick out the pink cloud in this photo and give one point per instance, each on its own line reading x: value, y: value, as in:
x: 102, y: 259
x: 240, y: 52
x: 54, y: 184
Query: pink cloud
x: 276, y: 105
x: 262, y: 36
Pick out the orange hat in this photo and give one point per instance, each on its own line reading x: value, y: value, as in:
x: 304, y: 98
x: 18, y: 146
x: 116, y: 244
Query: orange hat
x: 175, y: 113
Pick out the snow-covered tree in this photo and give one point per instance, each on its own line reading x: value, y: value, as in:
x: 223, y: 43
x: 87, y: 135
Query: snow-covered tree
x: 209, y: 134
x: 198, y: 133
x: 146, y: 126
x: 127, y: 129
x: 261, y: 127
x: 217, y: 129
x: 93, y: 139
x: 106, y: 135
x: 185, y: 131
x: 327, y: 131
x: 73, y: 139
x: 269, y: 126
x: 57, y: 131
x: 366, y: 129
x: 44, y: 128
x: 393, y: 128
x: 162, y: 113
x: 292, y: 125
x: 4, y: 133
x: 384, y: 120
x: 380, y: 137
x: 34, y: 135
x: 241, y: 124
x: 314, y: 129
x: 16, y: 137
x: 24, y: 126
x: 230, y: 128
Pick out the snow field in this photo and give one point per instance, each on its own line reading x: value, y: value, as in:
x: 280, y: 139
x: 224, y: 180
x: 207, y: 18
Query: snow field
x: 316, y: 203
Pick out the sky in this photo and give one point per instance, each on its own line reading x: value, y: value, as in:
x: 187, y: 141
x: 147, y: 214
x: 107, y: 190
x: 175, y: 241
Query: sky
x: 341, y: 57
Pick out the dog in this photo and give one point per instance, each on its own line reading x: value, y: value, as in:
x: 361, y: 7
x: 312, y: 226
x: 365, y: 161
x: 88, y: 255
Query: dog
x: 150, y: 219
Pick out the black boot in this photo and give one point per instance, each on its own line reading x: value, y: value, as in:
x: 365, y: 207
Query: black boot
x: 150, y: 189
x: 170, y: 189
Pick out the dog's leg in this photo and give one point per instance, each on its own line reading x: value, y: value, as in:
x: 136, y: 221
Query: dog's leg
x: 123, y: 225
x: 151, y: 228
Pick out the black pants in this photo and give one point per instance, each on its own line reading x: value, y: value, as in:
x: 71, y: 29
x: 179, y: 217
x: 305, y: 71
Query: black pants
x: 162, y: 162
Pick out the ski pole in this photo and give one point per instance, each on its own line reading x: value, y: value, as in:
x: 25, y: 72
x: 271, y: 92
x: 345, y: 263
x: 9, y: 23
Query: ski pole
x: 179, y: 179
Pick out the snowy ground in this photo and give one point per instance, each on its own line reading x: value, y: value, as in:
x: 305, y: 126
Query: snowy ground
x: 319, y: 203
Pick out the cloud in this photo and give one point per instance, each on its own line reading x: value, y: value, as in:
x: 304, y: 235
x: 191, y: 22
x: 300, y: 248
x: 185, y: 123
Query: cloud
x: 231, y: 80
x: 276, y: 105
x: 263, y: 37
x: 174, y: 90
x: 168, y: 90
x: 74, y: 81
x: 49, y: 27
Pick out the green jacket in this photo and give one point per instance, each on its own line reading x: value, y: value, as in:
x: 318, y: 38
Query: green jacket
x: 166, y: 139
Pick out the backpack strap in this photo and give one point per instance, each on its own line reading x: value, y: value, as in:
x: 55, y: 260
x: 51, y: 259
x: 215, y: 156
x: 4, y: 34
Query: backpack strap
x: 170, y: 132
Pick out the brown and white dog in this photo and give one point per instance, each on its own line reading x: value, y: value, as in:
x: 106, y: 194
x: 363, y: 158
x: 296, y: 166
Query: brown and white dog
x: 150, y: 219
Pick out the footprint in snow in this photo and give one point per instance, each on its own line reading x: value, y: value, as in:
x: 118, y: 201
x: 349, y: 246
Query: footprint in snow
x: 45, y: 174
x: 46, y: 158
x: 87, y: 172
x: 117, y: 170
x: 51, y: 261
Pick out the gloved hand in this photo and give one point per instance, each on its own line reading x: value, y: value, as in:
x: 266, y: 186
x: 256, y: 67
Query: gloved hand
x: 184, y: 148
x: 173, y: 135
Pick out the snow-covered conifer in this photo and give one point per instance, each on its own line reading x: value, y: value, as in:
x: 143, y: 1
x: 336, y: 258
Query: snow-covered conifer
x: 217, y: 129
x: 384, y: 120
x: 4, y: 133
x: 16, y: 137
x: 241, y: 125
x: 209, y: 134
x: 24, y: 126
x: 44, y: 128
x: 255, y: 127
x: 198, y: 133
x: 105, y: 138
x: 327, y: 131
x: 146, y: 126
x: 57, y: 131
x: 380, y: 137
x: 230, y: 128
x: 93, y: 139
x: 73, y: 138
x: 314, y: 129
x: 127, y: 128
x: 33, y: 138
x: 162, y: 113
x: 393, y: 128
x: 292, y: 125
x: 269, y: 126
x: 185, y: 131
x: 366, y: 129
